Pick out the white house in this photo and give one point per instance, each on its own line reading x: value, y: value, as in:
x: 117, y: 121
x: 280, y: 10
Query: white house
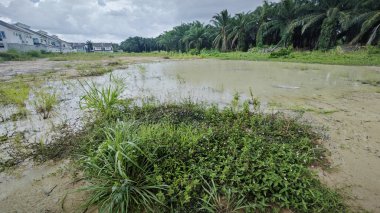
x: 20, y: 37
x: 49, y: 43
x: 79, y: 47
x: 102, y: 47
x: 13, y: 37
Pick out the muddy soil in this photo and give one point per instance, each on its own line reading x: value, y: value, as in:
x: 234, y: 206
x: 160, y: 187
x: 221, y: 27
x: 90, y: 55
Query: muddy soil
x: 331, y: 98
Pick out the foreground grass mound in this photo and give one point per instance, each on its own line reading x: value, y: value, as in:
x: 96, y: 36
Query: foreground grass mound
x: 191, y: 158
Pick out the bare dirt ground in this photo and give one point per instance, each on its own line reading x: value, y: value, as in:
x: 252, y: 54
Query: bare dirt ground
x: 353, y: 140
x: 12, y: 68
x: 51, y: 187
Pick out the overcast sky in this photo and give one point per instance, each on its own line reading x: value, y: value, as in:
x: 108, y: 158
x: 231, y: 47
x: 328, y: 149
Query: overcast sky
x: 114, y: 20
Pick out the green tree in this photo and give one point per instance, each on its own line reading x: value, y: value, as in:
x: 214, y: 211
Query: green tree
x: 222, y: 22
x: 331, y: 17
x: 370, y: 22
x: 239, y: 32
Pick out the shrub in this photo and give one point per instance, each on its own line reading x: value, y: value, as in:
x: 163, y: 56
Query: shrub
x: 194, y: 52
x: 208, y: 158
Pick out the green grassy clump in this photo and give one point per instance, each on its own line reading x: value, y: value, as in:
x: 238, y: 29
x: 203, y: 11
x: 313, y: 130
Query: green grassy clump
x: 192, y: 158
x: 14, y: 55
x: 93, y: 69
x: 44, y: 102
x: 14, y: 92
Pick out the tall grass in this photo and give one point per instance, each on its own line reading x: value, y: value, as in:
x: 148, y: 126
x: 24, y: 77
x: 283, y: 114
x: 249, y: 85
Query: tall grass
x: 121, y: 174
x: 103, y: 100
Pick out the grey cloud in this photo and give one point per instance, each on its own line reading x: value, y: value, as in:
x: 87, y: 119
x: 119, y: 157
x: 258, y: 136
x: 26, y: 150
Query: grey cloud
x: 100, y: 2
x: 114, y: 20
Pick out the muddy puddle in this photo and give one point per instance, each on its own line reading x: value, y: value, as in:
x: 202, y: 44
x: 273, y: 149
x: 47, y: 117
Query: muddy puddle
x: 337, y: 99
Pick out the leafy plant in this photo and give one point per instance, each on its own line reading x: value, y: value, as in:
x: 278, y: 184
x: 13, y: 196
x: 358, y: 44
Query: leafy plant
x: 103, y: 100
x: 120, y: 174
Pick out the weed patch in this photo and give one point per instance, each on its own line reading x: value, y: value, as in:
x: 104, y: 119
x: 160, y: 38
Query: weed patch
x: 14, y: 92
x: 196, y: 158
x: 92, y: 69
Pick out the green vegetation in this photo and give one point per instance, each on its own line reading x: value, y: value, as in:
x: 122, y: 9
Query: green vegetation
x: 300, y: 24
x: 98, y: 69
x: 192, y: 158
x: 92, y: 69
x: 44, y: 102
x: 15, y: 91
x: 13, y: 55
x: 312, y: 109
x: 360, y: 57
x: 364, y: 56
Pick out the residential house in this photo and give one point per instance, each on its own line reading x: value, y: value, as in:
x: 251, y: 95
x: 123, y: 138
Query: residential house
x: 20, y: 37
x: 13, y: 37
x: 102, y: 47
x: 79, y: 47
x: 43, y: 41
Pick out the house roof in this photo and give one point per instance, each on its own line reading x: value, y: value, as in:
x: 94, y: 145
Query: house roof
x: 13, y: 27
x: 40, y: 33
x: 102, y: 44
x: 78, y: 45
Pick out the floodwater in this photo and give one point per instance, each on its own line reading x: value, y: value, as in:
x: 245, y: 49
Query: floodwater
x: 332, y: 97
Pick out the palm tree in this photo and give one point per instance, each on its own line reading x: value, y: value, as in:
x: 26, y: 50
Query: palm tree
x: 195, y: 36
x: 370, y: 21
x: 222, y: 22
x: 263, y: 14
x: 238, y: 34
x: 331, y: 17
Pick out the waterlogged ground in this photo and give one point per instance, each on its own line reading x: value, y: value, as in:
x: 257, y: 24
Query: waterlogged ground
x: 341, y: 101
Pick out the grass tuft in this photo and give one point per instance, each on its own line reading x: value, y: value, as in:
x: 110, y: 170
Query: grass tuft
x: 44, y: 102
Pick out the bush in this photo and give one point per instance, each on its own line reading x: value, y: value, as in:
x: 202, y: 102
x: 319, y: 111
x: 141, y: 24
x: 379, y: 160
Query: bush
x: 200, y: 159
x: 193, y: 52
x: 373, y: 50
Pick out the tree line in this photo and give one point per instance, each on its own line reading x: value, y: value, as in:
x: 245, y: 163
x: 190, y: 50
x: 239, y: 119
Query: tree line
x: 301, y: 24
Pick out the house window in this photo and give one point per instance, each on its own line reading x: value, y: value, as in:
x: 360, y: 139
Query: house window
x: 2, y: 45
x: 36, y: 41
x: 2, y: 35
